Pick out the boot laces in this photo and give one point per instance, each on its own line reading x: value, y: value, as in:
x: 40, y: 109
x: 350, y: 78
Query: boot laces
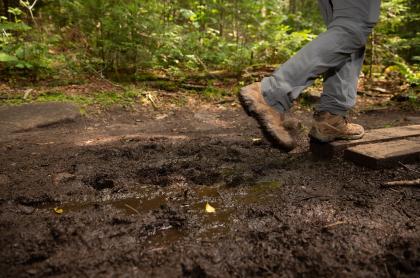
x: 346, y: 120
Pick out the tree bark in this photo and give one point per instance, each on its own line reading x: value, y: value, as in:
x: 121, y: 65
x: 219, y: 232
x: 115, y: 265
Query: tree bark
x: 292, y: 6
x: 5, y: 9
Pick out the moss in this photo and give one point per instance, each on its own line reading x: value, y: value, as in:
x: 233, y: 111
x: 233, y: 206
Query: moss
x: 214, y: 93
x: 105, y: 99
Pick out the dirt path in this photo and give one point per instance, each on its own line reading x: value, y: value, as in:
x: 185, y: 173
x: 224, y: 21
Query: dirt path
x: 123, y: 194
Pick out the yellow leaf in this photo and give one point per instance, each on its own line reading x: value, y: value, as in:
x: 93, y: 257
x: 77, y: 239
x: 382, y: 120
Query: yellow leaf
x: 210, y: 209
x: 58, y: 210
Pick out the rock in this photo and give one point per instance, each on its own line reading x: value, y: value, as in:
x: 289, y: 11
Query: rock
x: 34, y: 115
x: 26, y: 209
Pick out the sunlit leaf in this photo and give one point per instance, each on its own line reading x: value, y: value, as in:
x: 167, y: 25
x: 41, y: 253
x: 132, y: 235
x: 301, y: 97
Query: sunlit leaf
x: 4, y: 57
x: 58, y: 210
x: 210, y: 209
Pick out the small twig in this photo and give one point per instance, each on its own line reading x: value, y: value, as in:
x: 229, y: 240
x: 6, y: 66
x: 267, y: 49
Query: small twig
x: 367, y: 93
x: 33, y: 4
x: 226, y: 101
x: 406, y: 213
x: 403, y: 183
x: 316, y: 197
x: 150, y: 97
x: 156, y: 249
x: 110, y: 82
x: 399, y: 201
x: 381, y: 90
x: 408, y: 168
x: 205, y: 67
x: 30, y: 8
x: 101, y: 76
x: 133, y: 209
x: 334, y: 224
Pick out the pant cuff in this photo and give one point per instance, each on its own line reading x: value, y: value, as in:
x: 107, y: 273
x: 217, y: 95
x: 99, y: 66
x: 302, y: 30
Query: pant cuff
x: 332, y: 110
x: 274, y: 96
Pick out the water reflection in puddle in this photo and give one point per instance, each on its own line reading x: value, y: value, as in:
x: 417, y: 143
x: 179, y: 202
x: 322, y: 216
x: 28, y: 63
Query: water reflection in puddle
x: 226, y: 201
x: 164, y: 238
x: 139, y: 205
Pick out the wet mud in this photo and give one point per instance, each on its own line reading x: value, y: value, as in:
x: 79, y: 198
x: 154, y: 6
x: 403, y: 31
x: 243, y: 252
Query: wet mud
x: 126, y: 196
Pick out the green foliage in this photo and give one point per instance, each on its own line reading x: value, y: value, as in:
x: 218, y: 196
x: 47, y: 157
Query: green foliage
x: 104, y: 99
x: 397, y: 38
x: 18, y: 50
x: 214, y: 93
x: 123, y: 39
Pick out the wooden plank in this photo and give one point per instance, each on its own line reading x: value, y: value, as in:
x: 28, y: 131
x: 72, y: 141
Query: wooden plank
x: 385, y: 154
x: 327, y: 150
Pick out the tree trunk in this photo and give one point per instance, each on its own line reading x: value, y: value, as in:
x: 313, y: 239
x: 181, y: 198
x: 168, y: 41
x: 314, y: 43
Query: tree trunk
x: 5, y: 9
x: 292, y: 6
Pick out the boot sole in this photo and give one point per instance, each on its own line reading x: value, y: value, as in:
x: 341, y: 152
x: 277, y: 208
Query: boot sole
x: 247, y: 105
x: 327, y: 139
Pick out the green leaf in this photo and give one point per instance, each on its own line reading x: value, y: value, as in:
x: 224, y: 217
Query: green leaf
x: 23, y: 65
x: 6, y: 58
x: 13, y: 26
x: 20, y: 65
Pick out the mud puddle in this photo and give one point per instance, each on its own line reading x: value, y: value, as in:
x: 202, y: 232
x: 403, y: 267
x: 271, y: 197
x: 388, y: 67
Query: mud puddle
x: 226, y: 201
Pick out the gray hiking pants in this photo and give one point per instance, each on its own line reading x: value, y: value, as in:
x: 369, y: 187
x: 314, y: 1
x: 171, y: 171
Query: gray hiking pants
x: 337, y: 54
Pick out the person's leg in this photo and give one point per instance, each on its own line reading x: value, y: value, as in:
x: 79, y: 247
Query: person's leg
x: 341, y: 49
x: 267, y: 101
x: 340, y: 85
x: 339, y: 95
x: 331, y: 49
x: 326, y: 9
x: 340, y: 45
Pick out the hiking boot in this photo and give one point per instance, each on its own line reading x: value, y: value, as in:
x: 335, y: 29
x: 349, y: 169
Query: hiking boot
x: 328, y: 127
x: 270, y: 120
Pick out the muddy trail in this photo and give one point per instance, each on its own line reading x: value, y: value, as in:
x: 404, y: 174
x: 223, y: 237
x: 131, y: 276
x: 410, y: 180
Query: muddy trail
x: 124, y: 194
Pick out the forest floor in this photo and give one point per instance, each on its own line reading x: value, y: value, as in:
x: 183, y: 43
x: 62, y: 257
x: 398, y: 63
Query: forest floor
x: 122, y: 192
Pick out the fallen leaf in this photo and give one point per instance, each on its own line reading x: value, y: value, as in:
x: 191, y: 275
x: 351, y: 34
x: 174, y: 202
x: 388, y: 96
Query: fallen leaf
x: 210, y: 209
x: 152, y: 100
x: 161, y: 117
x: 27, y: 93
x: 58, y: 210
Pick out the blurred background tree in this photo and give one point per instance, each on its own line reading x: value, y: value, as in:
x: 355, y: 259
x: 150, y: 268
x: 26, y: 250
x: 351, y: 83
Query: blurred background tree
x: 124, y: 39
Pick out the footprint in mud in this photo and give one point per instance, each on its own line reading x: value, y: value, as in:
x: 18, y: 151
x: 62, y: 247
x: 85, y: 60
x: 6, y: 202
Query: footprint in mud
x: 100, y: 182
